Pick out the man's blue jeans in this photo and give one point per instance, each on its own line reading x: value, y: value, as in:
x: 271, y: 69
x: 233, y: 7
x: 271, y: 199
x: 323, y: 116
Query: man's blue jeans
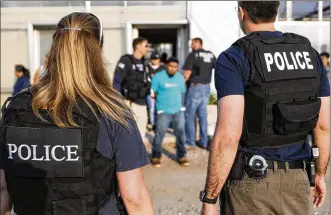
x: 162, y: 124
x: 196, y: 102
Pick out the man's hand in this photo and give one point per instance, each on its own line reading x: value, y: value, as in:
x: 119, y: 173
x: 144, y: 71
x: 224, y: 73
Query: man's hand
x: 319, y: 191
x: 187, y: 74
x: 209, y: 209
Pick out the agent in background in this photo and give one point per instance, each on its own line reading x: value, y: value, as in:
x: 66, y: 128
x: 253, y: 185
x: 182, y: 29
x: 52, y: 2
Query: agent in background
x: 153, y: 67
x: 326, y: 61
x: 23, y: 79
x: 164, y: 58
x: 269, y: 100
x: 72, y: 145
x: 131, y: 80
x: 168, y: 87
x: 197, y: 68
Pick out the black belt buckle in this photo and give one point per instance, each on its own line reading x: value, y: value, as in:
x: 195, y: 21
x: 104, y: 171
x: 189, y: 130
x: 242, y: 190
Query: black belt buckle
x: 256, y: 167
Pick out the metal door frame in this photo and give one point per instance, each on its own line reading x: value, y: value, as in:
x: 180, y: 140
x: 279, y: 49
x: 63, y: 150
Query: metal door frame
x: 33, y: 44
x: 129, y: 28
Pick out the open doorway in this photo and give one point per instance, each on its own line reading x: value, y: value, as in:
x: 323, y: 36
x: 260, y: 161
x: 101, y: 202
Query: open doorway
x: 161, y: 40
x: 169, y: 39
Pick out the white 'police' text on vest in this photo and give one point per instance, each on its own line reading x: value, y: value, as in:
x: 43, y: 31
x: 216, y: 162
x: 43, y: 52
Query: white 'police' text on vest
x: 290, y: 61
x: 29, y: 152
x: 206, y: 56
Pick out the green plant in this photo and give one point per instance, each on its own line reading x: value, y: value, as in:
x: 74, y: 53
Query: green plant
x: 212, y: 99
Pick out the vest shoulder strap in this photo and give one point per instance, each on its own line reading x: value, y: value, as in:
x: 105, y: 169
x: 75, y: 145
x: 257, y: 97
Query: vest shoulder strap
x: 130, y: 57
x: 22, y: 100
x: 83, y: 110
x: 256, y: 38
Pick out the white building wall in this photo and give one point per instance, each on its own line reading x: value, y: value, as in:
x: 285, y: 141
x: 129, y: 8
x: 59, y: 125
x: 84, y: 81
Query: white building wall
x: 318, y: 32
x: 216, y: 23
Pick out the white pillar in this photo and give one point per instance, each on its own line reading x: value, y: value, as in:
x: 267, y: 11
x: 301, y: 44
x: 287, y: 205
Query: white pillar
x: 88, y: 6
x: 320, y: 10
x: 128, y: 37
x: 289, y: 11
x: 30, y: 47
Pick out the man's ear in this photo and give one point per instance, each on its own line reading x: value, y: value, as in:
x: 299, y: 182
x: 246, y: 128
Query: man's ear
x: 242, y: 14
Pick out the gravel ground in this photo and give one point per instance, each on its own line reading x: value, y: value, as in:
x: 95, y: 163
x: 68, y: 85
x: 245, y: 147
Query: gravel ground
x: 175, y: 189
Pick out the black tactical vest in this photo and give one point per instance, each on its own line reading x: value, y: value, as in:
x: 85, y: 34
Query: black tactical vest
x: 51, y: 170
x: 135, y: 85
x: 202, y: 67
x: 281, y: 99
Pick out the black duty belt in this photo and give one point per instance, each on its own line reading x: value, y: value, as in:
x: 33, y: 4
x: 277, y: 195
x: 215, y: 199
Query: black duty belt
x: 197, y: 84
x: 282, y: 165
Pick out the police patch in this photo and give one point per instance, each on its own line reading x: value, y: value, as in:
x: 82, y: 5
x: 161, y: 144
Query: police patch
x: 280, y: 62
x: 121, y: 65
x: 44, y: 152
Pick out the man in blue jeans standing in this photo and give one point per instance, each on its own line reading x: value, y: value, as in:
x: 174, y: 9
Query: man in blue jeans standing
x: 197, y: 73
x: 168, y: 86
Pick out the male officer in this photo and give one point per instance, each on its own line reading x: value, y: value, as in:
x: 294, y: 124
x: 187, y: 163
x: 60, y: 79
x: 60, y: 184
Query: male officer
x: 326, y: 61
x: 130, y: 76
x: 154, y: 67
x: 131, y: 80
x: 272, y: 91
x: 197, y: 73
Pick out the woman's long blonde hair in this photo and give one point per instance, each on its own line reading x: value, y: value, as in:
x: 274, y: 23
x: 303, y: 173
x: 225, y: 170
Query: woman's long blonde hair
x: 76, y: 69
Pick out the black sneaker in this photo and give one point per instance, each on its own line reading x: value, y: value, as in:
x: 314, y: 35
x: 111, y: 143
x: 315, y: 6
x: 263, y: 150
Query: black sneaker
x: 156, y: 162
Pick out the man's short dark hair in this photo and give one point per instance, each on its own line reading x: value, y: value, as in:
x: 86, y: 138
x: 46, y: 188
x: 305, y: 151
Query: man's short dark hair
x: 172, y: 60
x: 137, y: 41
x: 261, y: 11
x: 325, y: 54
x: 198, y: 39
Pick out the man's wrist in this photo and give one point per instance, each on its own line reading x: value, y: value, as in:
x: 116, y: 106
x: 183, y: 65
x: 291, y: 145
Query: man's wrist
x: 207, y: 199
x: 320, y: 175
x: 206, y: 205
x: 210, y: 196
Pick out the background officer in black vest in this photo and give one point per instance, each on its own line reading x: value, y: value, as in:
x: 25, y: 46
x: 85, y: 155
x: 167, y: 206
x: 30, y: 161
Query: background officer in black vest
x: 131, y: 80
x: 130, y: 74
x: 70, y: 144
x: 273, y: 91
x: 197, y: 68
x: 153, y: 67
